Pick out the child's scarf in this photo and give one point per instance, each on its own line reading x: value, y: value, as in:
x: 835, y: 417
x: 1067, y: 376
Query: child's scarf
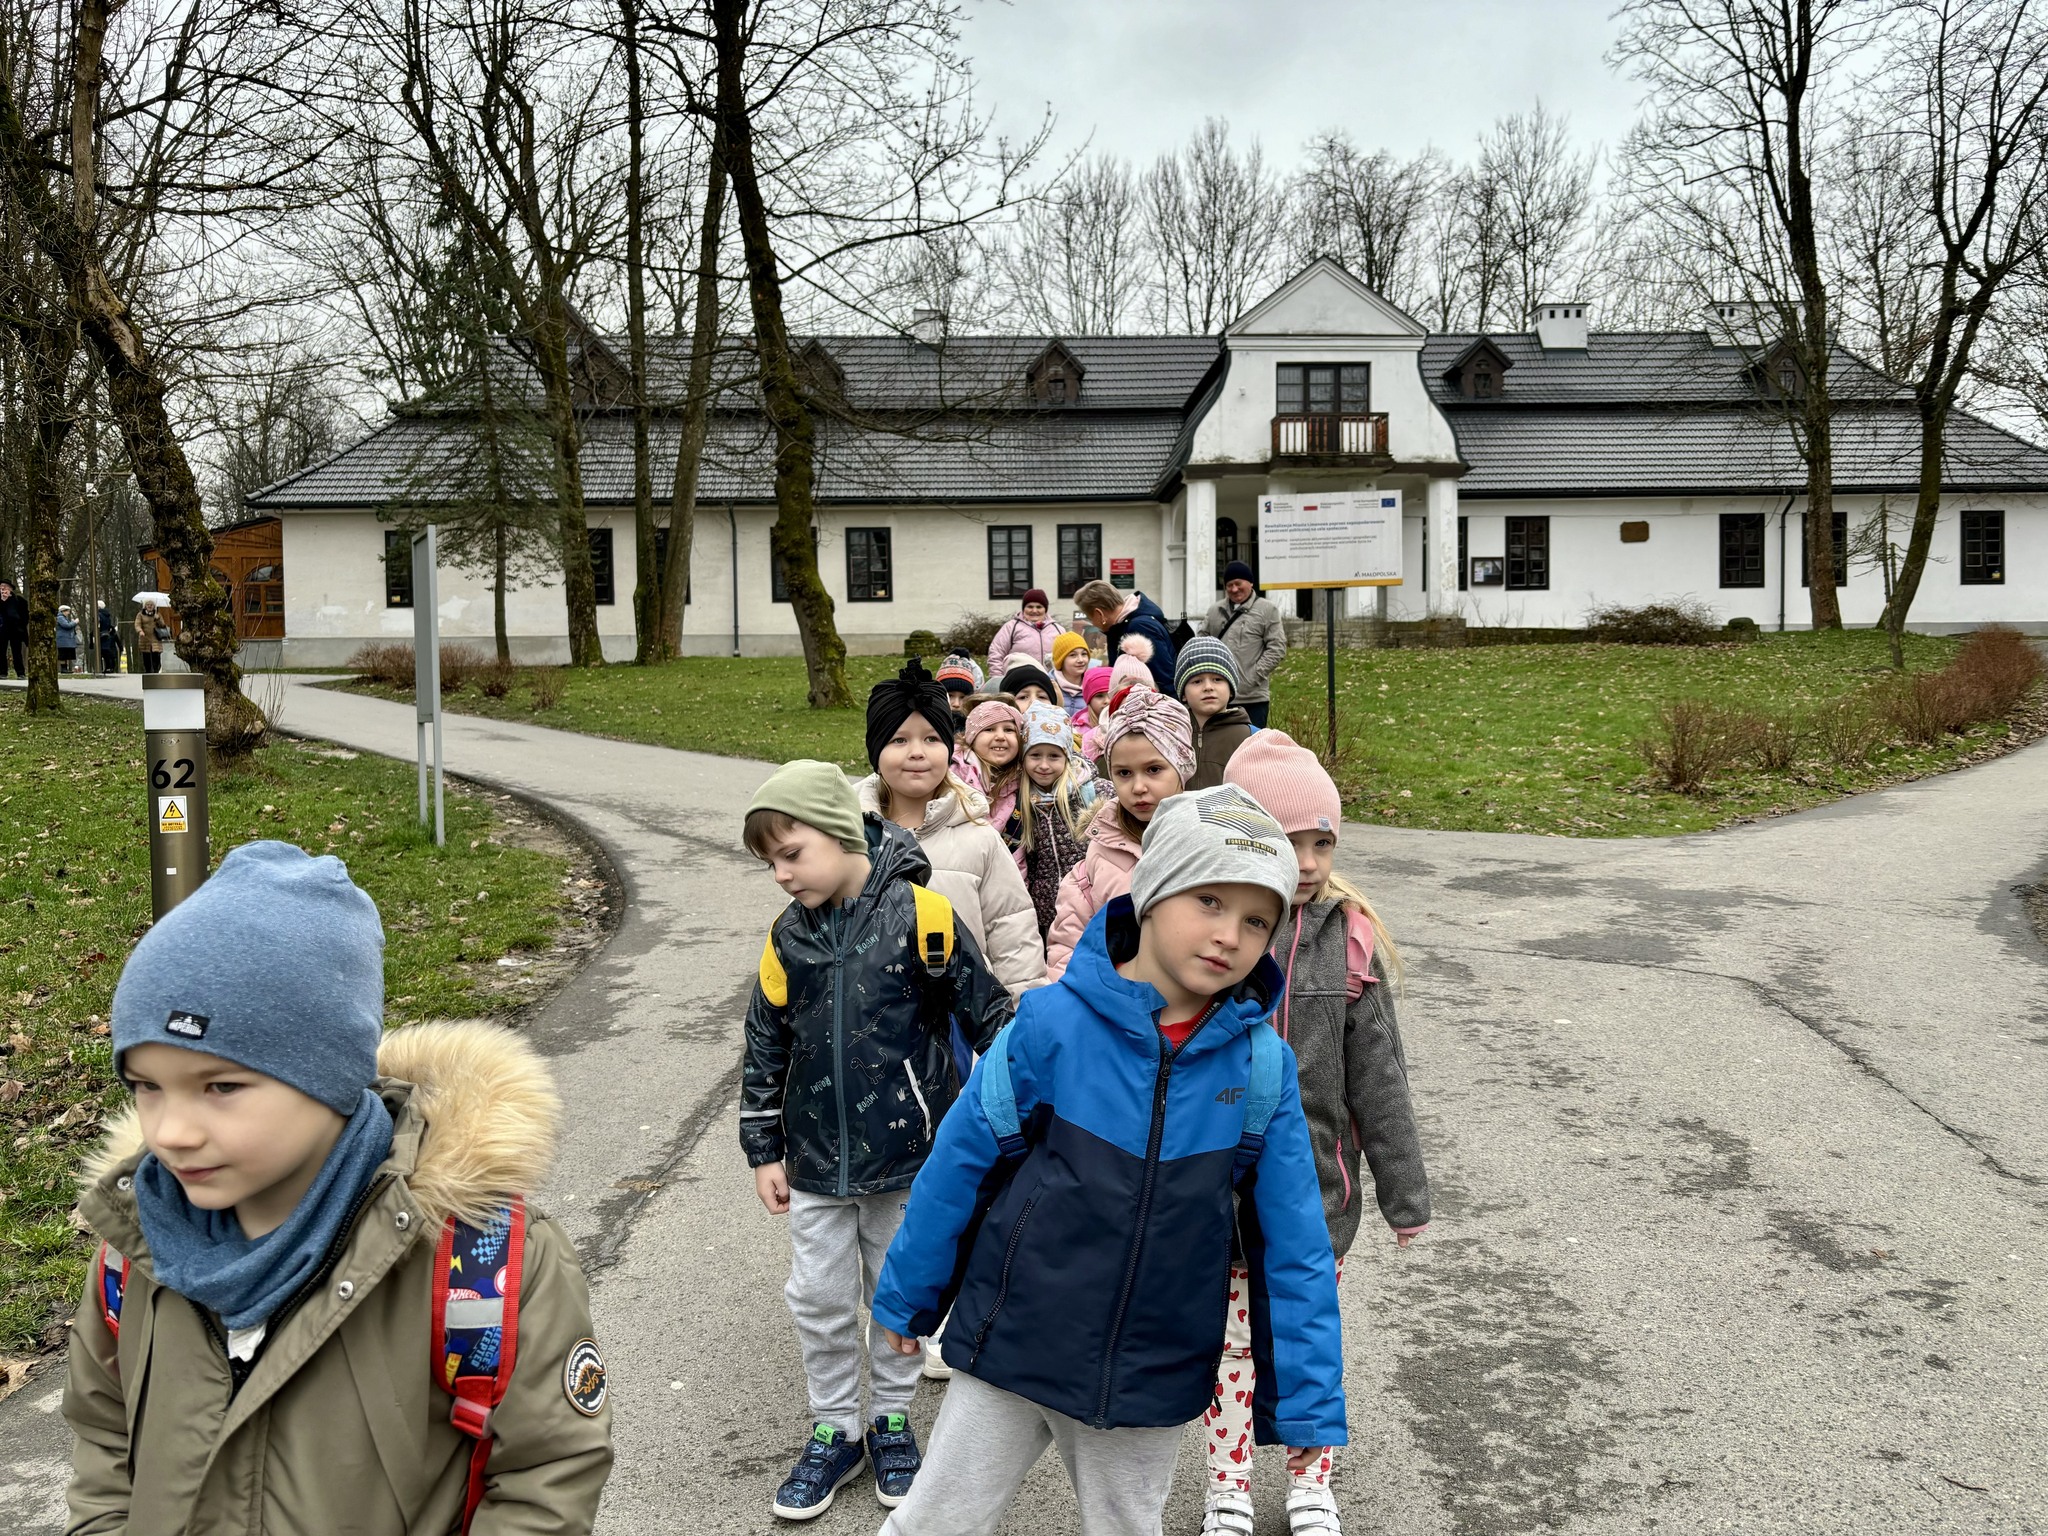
x: 243, y: 1281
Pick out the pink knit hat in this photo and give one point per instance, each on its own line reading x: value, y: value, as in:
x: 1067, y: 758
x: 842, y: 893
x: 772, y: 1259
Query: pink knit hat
x: 1287, y: 780
x: 1162, y: 721
x: 989, y: 713
x: 1129, y: 670
x: 1094, y: 681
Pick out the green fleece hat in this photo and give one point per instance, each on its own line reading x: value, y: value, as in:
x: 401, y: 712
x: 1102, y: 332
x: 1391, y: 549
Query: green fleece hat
x: 818, y: 795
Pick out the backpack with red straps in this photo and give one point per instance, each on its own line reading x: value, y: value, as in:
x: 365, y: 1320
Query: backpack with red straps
x: 476, y: 1323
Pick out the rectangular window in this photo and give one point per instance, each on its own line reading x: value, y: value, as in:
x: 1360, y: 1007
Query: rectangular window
x: 1840, y: 522
x: 397, y: 568
x: 1742, y: 549
x: 1080, y: 556
x: 1464, y: 559
x: 1323, y: 389
x: 601, y: 566
x: 867, y: 565
x: 1983, y: 549
x: 1529, y: 554
x: 778, y: 586
x: 1009, y: 561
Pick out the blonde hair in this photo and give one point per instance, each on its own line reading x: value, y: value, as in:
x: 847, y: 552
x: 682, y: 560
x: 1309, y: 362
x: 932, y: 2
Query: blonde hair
x: 1071, y: 779
x: 954, y: 783
x: 1342, y: 891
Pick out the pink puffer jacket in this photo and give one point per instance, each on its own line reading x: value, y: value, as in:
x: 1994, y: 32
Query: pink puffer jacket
x: 1103, y: 874
x: 1020, y: 634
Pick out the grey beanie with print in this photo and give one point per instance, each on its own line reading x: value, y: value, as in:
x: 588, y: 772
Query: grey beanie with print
x: 1219, y: 836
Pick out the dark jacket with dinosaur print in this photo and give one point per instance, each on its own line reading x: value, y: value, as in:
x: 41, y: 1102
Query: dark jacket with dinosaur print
x: 849, y: 1067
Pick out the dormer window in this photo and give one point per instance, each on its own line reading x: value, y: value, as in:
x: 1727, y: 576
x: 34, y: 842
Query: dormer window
x: 1480, y: 371
x: 1778, y: 373
x: 1483, y: 383
x: 1054, y: 377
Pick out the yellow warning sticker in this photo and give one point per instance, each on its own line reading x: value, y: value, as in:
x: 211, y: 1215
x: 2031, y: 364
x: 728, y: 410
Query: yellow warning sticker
x: 171, y: 814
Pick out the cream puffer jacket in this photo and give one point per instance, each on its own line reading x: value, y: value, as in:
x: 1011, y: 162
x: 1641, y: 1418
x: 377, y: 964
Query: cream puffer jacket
x: 974, y: 871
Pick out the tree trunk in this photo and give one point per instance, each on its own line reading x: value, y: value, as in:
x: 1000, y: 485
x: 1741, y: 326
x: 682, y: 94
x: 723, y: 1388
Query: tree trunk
x: 579, y: 583
x: 647, y: 581
x: 47, y: 343
x: 134, y: 389
x: 704, y: 328
x: 498, y: 593
x: 782, y: 399
x: 1802, y: 235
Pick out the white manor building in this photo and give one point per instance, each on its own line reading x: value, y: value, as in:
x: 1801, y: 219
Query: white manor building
x: 1541, y: 474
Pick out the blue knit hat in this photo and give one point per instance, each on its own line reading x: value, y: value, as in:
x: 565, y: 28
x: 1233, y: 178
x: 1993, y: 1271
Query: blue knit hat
x: 1202, y: 654
x: 276, y: 963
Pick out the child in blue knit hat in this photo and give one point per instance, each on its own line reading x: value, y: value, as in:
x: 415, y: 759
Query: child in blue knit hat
x: 318, y: 1286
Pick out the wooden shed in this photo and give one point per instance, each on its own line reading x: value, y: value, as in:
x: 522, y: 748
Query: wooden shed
x: 249, y: 558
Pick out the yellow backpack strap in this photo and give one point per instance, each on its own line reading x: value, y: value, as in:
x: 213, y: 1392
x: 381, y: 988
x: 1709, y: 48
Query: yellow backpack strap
x: 934, y: 929
x: 774, y: 980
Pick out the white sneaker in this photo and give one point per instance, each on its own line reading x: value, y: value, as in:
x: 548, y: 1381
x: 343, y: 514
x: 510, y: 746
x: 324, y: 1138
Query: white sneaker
x: 1227, y: 1512
x: 1312, y: 1512
x: 933, y: 1369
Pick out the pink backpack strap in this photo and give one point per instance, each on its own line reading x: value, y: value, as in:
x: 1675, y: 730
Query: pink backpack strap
x: 1357, y: 954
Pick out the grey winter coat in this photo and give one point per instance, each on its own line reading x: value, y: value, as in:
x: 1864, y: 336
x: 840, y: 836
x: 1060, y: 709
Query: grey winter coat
x: 850, y: 1062
x: 1354, y: 1076
x: 1257, y: 637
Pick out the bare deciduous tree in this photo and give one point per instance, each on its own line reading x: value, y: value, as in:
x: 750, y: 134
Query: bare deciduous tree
x: 1076, y: 260
x: 1367, y: 210
x: 1213, y: 221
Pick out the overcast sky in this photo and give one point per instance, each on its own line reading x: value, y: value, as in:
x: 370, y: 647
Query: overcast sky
x: 1139, y: 75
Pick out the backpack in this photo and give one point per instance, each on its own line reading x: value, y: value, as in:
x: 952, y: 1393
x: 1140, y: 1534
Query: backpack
x: 1261, y: 1098
x: 475, y: 1331
x: 934, y: 944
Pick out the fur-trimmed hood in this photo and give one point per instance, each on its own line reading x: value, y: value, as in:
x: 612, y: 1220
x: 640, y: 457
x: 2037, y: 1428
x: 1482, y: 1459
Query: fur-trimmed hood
x: 475, y: 1115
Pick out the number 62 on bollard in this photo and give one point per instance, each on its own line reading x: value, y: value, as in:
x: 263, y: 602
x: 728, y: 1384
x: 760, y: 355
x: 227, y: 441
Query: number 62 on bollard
x: 174, y: 739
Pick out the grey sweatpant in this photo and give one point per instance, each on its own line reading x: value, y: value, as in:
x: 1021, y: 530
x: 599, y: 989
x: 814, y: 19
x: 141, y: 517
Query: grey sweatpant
x: 836, y: 1247
x: 987, y: 1439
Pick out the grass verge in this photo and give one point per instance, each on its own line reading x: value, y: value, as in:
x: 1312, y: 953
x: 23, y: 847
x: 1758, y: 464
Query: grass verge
x: 74, y: 897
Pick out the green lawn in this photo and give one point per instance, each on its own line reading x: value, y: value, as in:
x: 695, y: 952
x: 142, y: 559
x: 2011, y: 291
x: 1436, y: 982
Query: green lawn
x: 1538, y: 738
x: 1543, y: 738
x: 74, y: 897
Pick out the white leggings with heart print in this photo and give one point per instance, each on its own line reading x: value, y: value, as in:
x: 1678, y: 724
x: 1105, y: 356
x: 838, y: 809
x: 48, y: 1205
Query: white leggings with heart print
x: 1227, y: 1426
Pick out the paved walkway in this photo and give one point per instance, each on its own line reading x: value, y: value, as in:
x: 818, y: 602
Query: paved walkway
x: 1737, y: 1143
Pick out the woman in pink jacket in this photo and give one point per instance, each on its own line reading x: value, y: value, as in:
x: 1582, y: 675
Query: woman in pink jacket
x: 1148, y: 755
x: 1030, y: 632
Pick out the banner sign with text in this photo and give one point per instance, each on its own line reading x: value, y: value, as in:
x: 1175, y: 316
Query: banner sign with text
x: 1333, y: 539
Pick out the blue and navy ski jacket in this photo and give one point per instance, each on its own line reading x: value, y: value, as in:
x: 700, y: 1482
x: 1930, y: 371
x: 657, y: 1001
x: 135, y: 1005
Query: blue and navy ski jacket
x: 1092, y: 1277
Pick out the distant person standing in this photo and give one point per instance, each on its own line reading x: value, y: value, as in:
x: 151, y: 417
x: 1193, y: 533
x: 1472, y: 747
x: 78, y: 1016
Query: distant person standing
x: 150, y: 635
x: 1030, y: 631
x: 67, y: 638
x: 13, y: 630
x: 1251, y: 626
x: 110, y: 640
x: 1131, y: 625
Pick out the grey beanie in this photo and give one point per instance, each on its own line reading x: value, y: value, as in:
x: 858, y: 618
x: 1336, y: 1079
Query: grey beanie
x: 276, y: 963
x: 1204, y: 653
x: 1219, y: 836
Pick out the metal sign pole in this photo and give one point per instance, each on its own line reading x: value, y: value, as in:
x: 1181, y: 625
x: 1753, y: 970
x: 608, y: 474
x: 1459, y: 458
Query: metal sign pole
x: 1330, y: 659
x: 174, y: 739
x: 426, y: 669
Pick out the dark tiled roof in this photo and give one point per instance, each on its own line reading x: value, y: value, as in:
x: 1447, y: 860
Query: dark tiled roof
x: 1065, y: 455
x: 1566, y: 451
x: 1628, y: 368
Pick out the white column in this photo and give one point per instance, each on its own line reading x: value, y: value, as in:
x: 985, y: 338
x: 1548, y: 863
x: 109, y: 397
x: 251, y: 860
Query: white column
x: 1443, y: 546
x: 1200, y: 590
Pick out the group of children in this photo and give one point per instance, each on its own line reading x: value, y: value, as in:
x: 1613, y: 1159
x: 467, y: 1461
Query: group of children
x: 1061, y: 1063
x: 1105, y: 1167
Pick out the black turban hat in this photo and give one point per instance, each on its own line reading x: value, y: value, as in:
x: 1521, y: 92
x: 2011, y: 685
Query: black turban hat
x: 913, y: 691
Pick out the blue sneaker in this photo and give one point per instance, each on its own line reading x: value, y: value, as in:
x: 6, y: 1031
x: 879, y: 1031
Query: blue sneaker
x: 892, y: 1448
x: 829, y: 1459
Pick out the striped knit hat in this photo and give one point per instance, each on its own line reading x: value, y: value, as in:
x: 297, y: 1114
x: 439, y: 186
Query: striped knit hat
x: 1205, y: 653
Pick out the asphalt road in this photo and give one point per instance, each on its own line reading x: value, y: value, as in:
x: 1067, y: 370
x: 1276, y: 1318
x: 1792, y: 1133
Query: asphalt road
x: 1737, y: 1142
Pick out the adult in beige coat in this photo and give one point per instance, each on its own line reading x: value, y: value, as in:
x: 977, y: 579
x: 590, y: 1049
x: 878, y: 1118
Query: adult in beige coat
x: 974, y: 870
x: 340, y: 1424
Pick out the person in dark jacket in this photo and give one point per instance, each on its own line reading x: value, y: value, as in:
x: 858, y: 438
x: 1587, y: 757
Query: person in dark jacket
x: 13, y: 630
x: 110, y: 641
x: 848, y: 1075
x: 1086, y: 1270
x: 1205, y: 679
x: 1132, y: 625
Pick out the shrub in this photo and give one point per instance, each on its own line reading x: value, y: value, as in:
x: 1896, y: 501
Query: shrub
x: 547, y: 686
x: 384, y: 662
x: 1742, y: 627
x: 1682, y: 621
x: 2001, y: 667
x: 495, y: 680
x: 922, y: 642
x: 459, y: 663
x: 1694, y: 741
x: 1845, y: 730
x: 1773, y: 742
x: 972, y: 633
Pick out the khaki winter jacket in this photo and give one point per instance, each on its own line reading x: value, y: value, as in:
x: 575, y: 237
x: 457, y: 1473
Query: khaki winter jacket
x: 1257, y: 637
x: 340, y: 1425
x: 973, y: 870
x: 145, y: 631
x: 1228, y: 729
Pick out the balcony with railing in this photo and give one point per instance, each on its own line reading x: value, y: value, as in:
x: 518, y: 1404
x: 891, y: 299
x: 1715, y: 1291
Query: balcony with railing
x: 1334, y: 437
